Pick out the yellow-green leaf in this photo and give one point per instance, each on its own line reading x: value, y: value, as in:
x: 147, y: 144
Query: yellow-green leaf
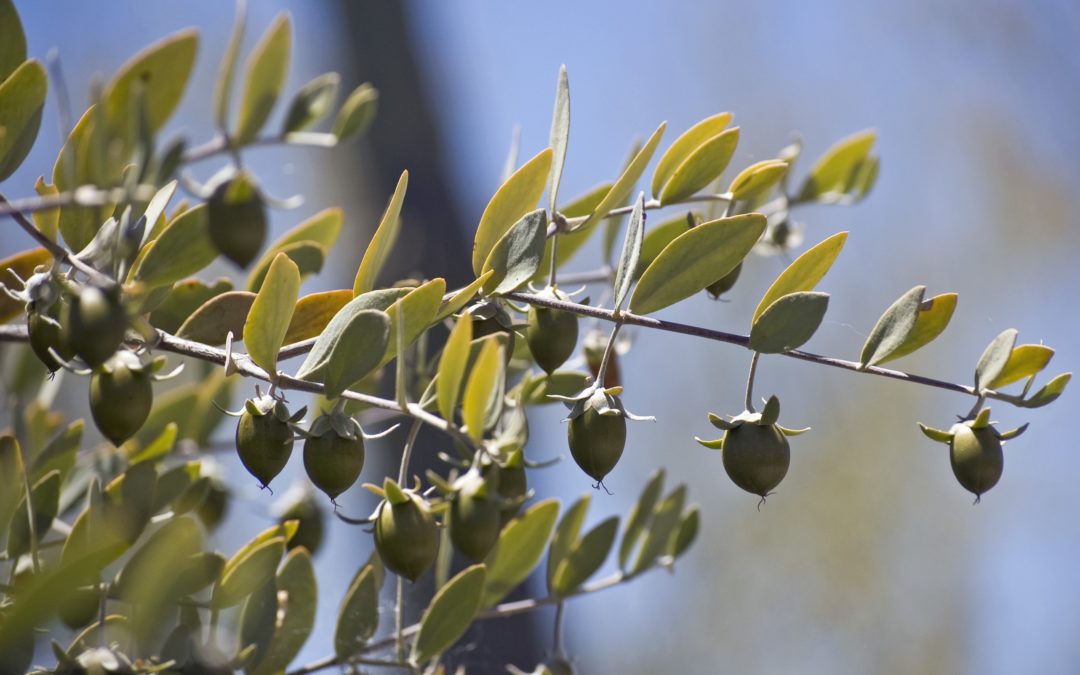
x: 157, y: 76
x: 268, y: 320
x: 316, y: 360
x: 585, y: 557
x: 566, y: 534
x: 640, y: 516
x: 211, y: 323
x: 657, y: 239
x: 789, y: 322
x: 246, y: 571
x: 481, y: 387
x: 383, y: 240
x: 449, y: 615
x: 322, y: 228
x: 359, y: 614
x: 805, y: 273
x: 461, y: 297
x: 684, y: 146
x: 12, y: 39
x: 665, y: 522
x: 311, y: 103
x: 516, y: 197
x: 358, y: 351
x: 518, y: 550
x: 224, y: 83
x: 757, y: 178
x: 892, y: 329
x: 701, y: 167
x: 184, y: 298
x: 23, y: 265
x: 832, y: 173
x: 452, y: 365
x: 313, y: 312
x: 48, y: 221
x: 267, y: 68
x: 308, y: 256
x: 695, y: 259
x: 357, y: 113
x: 1049, y: 393
x: 934, y: 315
x: 22, y: 98
x: 571, y: 242
x: 992, y: 362
x: 420, y: 305
x: 624, y: 185
x: 182, y: 249
x: 1024, y: 361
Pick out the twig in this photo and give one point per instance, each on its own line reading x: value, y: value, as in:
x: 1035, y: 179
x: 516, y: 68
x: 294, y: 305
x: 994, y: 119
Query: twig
x: 61, y: 254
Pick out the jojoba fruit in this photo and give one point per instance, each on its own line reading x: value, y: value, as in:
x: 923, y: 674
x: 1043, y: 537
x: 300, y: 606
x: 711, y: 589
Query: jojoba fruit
x: 976, y: 457
x: 237, y: 219
x: 95, y: 324
x: 475, y: 519
x: 264, y: 438
x: 121, y: 395
x: 756, y: 457
x: 406, y: 536
x: 80, y: 606
x: 333, y: 459
x: 46, y: 333
x: 552, y: 335
x: 597, y: 441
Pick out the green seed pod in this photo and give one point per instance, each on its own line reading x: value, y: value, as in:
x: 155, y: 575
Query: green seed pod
x: 976, y: 457
x: 593, y: 346
x: 213, y: 507
x: 264, y: 438
x: 475, y: 520
x: 756, y: 457
x: 334, y: 453
x: 488, y: 319
x: 237, y: 218
x: 79, y: 607
x: 597, y: 441
x: 552, y: 334
x: 725, y: 284
x: 46, y: 333
x: 406, y: 535
x: 121, y: 395
x: 95, y: 324
x: 512, y: 482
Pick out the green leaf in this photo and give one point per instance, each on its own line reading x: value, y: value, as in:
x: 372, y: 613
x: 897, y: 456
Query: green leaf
x: 480, y: 388
x: 184, y: 298
x: 687, y: 532
x: 657, y: 238
x: 23, y: 265
x: 45, y: 500
x: 516, y: 256
x: 246, y: 571
x: 140, y: 579
x: 789, y: 322
x: 315, y: 363
x: 560, y: 135
x: 566, y: 535
x: 22, y: 98
x: 12, y: 39
x: 322, y: 230
x: 624, y: 185
x: 934, y: 315
x: 268, y: 320
x: 701, y: 167
x: 198, y: 571
x: 832, y: 174
x: 1049, y: 393
x: 756, y: 179
x: 1024, y: 361
x: 631, y: 251
x: 224, y: 83
x: 537, y: 389
x: 211, y: 323
x: 312, y: 103
x: 452, y: 365
x: 585, y: 557
x: 420, y: 305
x: 383, y: 241
x: 453, y: 303
x: 684, y: 145
x: 640, y: 516
x: 665, y: 523
x: 571, y: 242
x: 313, y: 312
x: 449, y: 615
x: 307, y: 255
x: 267, y: 68
x: 516, y: 197
x: 182, y: 249
x: 358, y: 351
x: 805, y: 273
x: 58, y: 454
x: 159, y: 447
x: 994, y: 359
x: 518, y: 550
x: 48, y: 222
x: 356, y: 114
x: 359, y: 614
x: 296, y: 594
x: 257, y: 622
x: 695, y: 259
x: 11, y: 477
x: 893, y: 328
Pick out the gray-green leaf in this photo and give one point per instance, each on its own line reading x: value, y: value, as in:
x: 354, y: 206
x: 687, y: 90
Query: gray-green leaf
x: 789, y: 322
x: 450, y: 613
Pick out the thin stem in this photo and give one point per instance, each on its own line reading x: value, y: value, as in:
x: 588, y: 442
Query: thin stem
x: 749, y: 401
x: 406, y: 454
x: 552, y: 282
x: 86, y: 195
x: 559, y: 610
x: 61, y: 254
x: 601, y: 372
x: 399, y: 613
x: 28, y: 493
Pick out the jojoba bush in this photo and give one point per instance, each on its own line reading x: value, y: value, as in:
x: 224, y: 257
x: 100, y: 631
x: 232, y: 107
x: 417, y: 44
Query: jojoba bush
x: 110, y: 539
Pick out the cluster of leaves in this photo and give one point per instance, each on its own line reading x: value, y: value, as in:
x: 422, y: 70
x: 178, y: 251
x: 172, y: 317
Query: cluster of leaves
x: 88, y: 530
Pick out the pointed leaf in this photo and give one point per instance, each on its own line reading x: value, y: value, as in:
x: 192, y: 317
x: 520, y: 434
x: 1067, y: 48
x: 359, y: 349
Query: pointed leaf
x: 480, y: 388
x: 224, y: 83
x: 313, y: 312
x: 420, y: 305
x: 994, y: 359
x: 684, y: 145
x: 312, y: 103
x: 789, y: 322
x: 687, y: 532
x: 757, y: 179
x: 892, y: 329
x: 832, y: 173
x: 12, y: 39
x: 211, y: 323
x: 701, y: 167
x: 48, y: 222
x: 452, y: 366
x: 182, y: 249
x: 268, y: 320
x: 539, y: 389
x: 585, y: 557
x: 518, y: 550
x: 657, y: 238
x: 185, y: 297
x: 665, y: 523
x: 359, y: 614
x: 23, y: 265
x: 247, y: 571
x: 934, y: 315
x: 295, y: 612
x: 560, y: 136
x: 624, y: 185
x: 11, y: 477
x: 1049, y: 393
x: 695, y: 259
x: 453, y: 303
x: 156, y: 76
x: 322, y: 229
x: 315, y: 363
x: 640, y: 516
x: 516, y: 256
x: 307, y: 255
x: 631, y: 251
x: 267, y: 68
x: 356, y: 114
x: 22, y: 98
x: 566, y: 535
x: 379, y: 248
x: 1024, y: 361
x: 805, y: 273
x: 358, y: 351
x: 449, y: 615
x: 516, y: 197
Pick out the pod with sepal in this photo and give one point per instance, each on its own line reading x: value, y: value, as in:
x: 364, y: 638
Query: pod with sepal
x: 597, y: 429
x: 334, y: 452
x: 94, y: 323
x: 406, y: 534
x: 47, y: 336
x: 551, y: 333
x: 264, y: 436
x: 511, y: 481
x: 475, y: 513
x: 236, y: 213
x: 755, y: 448
x: 122, y: 394
x: 489, y: 318
x: 975, y: 450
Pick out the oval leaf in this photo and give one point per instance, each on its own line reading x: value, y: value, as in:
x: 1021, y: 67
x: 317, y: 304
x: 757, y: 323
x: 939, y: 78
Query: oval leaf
x: 566, y: 535
x: 315, y: 363
x: 184, y: 298
x: 804, y: 273
x: 518, y: 550
x: 695, y: 259
x: 665, y: 523
x: 454, y: 302
x: 421, y: 305
x: 701, y: 167
x: 585, y: 557
x: 156, y: 76
x: 356, y: 114
x: 267, y: 67
x: 249, y: 569
x: 657, y: 239
x: 211, y: 323
x: 934, y: 315
x: 383, y: 241
x: 357, y: 351
x: 832, y: 174
x: 307, y: 255
x: 268, y: 320
x: 359, y: 614
x: 182, y: 249
x: 756, y: 179
x: 893, y: 328
x: 22, y: 98
x: 1049, y: 393
x: 684, y: 145
x: 514, y: 199
x: 480, y: 388
x: 516, y: 256
x: 45, y: 500
x: 12, y: 39
x: 449, y: 615
x: 452, y: 365
x: 312, y: 103
x: 994, y: 358
x: 313, y: 312
x: 294, y: 617
x: 640, y: 516
x: 789, y: 322
x: 571, y: 242
x: 1024, y: 361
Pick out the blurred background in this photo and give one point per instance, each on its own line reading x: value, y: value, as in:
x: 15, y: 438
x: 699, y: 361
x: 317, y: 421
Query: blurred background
x: 870, y: 558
